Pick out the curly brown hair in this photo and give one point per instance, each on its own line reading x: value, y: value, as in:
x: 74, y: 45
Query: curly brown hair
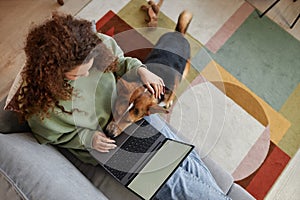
x: 53, y: 48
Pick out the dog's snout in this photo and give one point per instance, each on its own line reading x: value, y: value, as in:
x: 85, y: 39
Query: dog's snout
x: 110, y: 130
x: 109, y: 134
x: 114, y: 129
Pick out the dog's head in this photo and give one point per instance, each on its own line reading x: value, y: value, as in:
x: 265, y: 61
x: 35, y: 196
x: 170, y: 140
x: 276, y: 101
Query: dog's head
x: 133, y: 102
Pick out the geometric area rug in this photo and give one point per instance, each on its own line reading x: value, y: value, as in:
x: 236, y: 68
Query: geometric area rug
x: 264, y: 180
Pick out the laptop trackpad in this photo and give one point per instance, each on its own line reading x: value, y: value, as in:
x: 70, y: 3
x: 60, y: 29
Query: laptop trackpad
x: 159, y: 168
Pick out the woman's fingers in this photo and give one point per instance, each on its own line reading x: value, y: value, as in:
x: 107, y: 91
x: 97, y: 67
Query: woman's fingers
x: 156, y: 88
x: 102, y: 143
x: 154, y: 83
x: 150, y: 88
x: 159, y: 89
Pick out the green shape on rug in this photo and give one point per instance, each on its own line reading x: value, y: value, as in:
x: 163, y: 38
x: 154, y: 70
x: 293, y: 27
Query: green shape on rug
x: 290, y: 142
x: 264, y: 57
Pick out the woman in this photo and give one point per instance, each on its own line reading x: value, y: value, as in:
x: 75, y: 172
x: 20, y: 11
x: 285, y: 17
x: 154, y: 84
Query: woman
x: 69, y: 86
x: 59, y: 53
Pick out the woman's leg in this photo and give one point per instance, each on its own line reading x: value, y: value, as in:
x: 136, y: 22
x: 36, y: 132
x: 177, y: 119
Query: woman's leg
x: 185, y: 185
x: 192, y: 180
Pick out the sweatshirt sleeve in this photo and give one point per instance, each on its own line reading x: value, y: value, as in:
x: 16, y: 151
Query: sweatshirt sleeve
x: 126, y: 64
x: 59, y: 131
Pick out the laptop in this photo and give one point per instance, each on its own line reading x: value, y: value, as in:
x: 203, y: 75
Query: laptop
x: 144, y: 158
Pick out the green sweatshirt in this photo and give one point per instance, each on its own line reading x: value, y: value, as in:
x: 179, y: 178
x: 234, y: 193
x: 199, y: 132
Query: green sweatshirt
x: 91, y: 107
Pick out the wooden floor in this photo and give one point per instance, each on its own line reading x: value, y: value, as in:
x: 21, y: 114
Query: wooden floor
x: 284, y: 13
x: 16, y: 16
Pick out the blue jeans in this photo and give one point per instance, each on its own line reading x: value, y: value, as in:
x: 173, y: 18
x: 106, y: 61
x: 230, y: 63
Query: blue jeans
x: 192, y: 180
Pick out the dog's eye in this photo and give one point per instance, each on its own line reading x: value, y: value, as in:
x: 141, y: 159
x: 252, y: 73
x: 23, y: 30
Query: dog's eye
x: 136, y: 111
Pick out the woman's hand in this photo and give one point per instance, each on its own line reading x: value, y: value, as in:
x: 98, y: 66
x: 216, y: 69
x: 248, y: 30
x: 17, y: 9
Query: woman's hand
x: 102, y: 143
x: 154, y: 83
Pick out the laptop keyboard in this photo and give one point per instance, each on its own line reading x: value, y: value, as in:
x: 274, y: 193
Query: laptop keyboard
x: 145, y: 136
x: 134, y: 147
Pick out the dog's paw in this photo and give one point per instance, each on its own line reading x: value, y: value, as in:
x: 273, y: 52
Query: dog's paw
x: 169, y: 104
x: 166, y: 105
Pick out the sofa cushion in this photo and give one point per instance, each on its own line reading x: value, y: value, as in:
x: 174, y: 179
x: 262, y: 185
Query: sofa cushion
x: 223, y: 178
x: 237, y: 192
x: 10, y: 103
x: 111, y: 188
x: 41, y: 172
x: 8, y: 189
x: 9, y: 121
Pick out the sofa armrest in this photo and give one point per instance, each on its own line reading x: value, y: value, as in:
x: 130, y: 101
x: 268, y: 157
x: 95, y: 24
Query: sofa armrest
x: 237, y: 192
x: 8, y: 189
x: 223, y: 178
x: 9, y: 121
x: 101, y: 179
x: 40, y: 171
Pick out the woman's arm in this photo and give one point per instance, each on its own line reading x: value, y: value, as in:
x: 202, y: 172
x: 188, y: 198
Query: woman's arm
x: 134, y: 68
x: 58, y: 131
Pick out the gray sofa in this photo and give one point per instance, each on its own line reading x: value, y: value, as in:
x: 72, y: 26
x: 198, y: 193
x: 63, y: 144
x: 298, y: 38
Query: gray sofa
x: 32, y: 171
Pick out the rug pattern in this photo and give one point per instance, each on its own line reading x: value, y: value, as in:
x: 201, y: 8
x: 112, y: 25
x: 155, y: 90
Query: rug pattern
x: 282, y: 121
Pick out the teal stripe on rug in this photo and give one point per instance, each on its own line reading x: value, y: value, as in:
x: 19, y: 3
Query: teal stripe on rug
x: 264, y: 57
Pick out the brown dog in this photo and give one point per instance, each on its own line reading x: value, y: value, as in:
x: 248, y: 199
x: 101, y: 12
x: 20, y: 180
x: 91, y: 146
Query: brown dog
x: 133, y: 102
x: 169, y: 59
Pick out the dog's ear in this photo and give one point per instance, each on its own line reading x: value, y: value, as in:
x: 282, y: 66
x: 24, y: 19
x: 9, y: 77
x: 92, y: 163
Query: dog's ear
x: 125, y: 87
x: 156, y: 109
x: 122, y: 86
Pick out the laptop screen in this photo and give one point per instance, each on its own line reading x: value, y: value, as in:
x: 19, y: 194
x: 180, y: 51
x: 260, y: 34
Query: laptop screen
x: 159, y: 168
